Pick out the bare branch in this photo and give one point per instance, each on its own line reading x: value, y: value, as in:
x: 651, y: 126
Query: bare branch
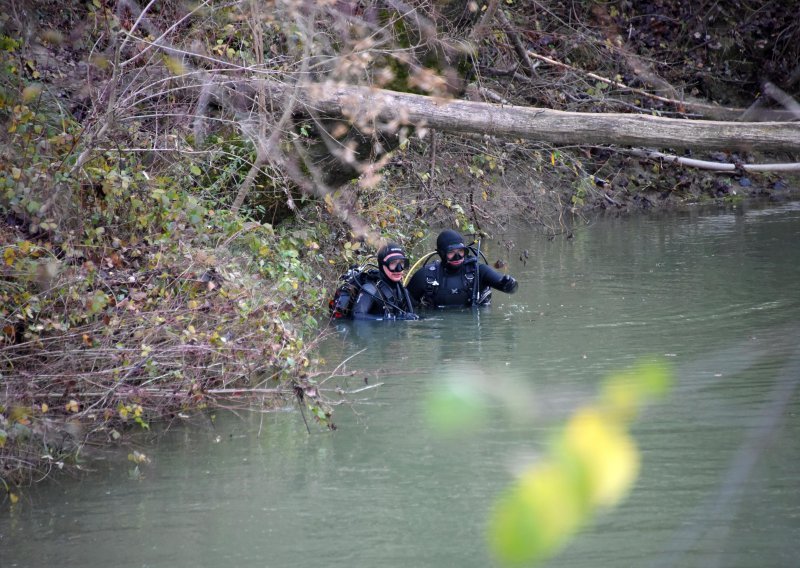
x: 522, y: 53
x: 486, y: 20
x: 715, y: 166
x: 783, y: 98
x: 710, y: 110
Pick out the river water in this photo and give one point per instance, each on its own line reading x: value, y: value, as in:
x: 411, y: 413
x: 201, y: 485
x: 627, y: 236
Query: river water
x: 715, y: 294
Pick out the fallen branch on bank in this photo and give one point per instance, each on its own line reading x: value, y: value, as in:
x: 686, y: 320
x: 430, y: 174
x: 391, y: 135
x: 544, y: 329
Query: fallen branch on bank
x: 383, y: 110
x: 715, y: 166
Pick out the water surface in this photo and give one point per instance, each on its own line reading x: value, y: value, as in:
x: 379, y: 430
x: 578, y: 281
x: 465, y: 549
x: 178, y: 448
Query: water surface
x: 716, y: 294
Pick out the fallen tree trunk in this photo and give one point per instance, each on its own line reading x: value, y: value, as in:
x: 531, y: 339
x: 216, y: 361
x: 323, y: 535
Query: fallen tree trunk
x: 369, y: 106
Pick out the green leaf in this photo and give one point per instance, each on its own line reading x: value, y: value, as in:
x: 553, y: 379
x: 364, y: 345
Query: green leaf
x: 454, y: 407
x: 97, y: 302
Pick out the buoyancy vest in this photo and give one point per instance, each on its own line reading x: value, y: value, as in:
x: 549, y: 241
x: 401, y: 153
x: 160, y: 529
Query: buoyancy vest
x: 445, y: 288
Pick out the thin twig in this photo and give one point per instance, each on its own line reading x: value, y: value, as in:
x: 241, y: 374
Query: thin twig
x: 678, y: 103
x: 486, y: 20
x: 519, y: 48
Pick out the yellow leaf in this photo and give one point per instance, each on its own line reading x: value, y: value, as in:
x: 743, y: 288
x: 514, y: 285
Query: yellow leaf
x: 45, y: 408
x: 536, y: 516
x: 606, y: 456
x: 72, y: 406
x: 19, y: 414
x: 485, y: 196
x: 52, y: 36
x: 552, y: 159
x: 15, y: 173
x: 174, y: 65
x: 31, y: 92
x: 138, y: 457
x: 14, y: 498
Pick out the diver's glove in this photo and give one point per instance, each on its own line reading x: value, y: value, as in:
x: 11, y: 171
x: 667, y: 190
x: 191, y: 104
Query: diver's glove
x: 508, y: 284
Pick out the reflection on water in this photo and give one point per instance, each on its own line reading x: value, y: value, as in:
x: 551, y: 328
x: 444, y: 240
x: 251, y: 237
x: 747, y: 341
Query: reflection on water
x: 716, y: 294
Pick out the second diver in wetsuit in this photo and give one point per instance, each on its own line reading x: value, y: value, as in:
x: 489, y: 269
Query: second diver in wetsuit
x: 450, y: 281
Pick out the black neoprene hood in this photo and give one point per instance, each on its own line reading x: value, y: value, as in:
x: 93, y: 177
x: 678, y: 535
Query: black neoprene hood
x: 447, y: 241
x: 390, y: 249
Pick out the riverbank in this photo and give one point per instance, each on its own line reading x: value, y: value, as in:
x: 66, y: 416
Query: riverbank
x: 471, y: 184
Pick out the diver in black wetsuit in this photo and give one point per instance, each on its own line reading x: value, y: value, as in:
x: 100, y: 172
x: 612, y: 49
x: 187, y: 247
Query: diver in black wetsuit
x: 451, y: 280
x: 385, y: 297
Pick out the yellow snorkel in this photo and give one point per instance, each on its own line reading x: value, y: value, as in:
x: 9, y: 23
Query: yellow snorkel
x: 423, y: 259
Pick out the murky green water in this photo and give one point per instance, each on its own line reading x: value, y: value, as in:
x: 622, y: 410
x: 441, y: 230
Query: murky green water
x: 717, y: 295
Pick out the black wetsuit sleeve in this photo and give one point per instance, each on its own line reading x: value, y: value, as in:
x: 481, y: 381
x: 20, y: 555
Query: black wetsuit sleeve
x: 369, y: 305
x: 498, y: 281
